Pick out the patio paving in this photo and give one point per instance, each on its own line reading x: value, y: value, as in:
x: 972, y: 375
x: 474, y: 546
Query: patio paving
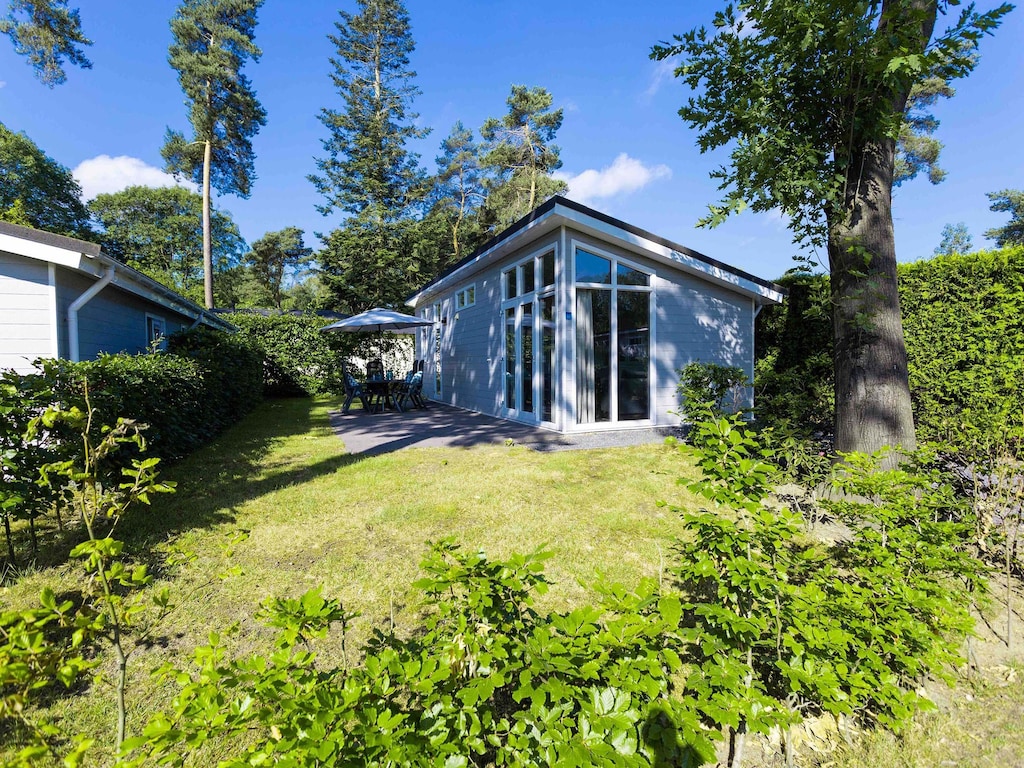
x: 446, y: 426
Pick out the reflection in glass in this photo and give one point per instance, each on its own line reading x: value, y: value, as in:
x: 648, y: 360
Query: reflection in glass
x: 510, y: 284
x: 547, y: 341
x: 510, y: 358
x: 527, y: 269
x: 634, y: 336
x: 547, y: 269
x: 526, y: 334
x: 592, y: 269
x: 593, y: 382
x: 626, y: 275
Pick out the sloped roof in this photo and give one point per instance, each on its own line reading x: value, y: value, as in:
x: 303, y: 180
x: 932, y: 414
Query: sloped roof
x: 560, y: 210
x: 89, y: 259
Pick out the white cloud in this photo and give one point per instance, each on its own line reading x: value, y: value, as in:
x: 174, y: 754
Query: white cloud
x: 664, y: 71
x: 105, y: 174
x: 3, y: 83
x: 625, y: 174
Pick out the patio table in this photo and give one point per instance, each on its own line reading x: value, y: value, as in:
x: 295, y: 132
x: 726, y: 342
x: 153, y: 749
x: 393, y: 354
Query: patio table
x: 382, y: 394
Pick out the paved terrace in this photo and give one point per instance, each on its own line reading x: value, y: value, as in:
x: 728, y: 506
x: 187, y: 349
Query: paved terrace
x: 445, y: 426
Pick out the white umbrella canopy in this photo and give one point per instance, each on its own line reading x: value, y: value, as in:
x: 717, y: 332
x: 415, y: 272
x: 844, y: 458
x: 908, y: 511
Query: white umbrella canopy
x: 378, y: 320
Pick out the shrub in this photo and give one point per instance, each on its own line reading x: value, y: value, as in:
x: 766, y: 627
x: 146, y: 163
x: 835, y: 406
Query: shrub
x: 710, y: 388
x: 965, y: 347
x: 300, y: 359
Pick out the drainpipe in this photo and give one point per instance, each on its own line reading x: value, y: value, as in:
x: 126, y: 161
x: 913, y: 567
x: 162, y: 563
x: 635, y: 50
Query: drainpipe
x: 77, y: 304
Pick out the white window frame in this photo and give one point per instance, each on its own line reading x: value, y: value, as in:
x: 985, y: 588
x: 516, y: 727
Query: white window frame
x: 466, y: 297
x: 160, y: 324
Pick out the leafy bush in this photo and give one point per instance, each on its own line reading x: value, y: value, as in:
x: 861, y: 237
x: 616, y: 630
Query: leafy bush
x: 709, y: 388
x: 300, y: 359
x: 965, y: 347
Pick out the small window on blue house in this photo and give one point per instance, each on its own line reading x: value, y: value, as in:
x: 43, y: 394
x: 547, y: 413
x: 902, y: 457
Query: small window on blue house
x: 591, y: 268
x: 466, y: 297
x: 155, y: 330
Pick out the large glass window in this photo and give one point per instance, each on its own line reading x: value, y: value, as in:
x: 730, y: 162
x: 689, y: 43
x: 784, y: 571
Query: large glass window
x: 613, y: 339
x: 547, y: 269
x: 526, y: 341
x: 510, y: 357
x: 633, y: 352
x: 527, y: 271
x: 509, y: 279
x: 591, y: 268
x: 547, y: 341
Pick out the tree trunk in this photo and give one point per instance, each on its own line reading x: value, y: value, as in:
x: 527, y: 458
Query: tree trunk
x: 207, y: 235
x: 872, y: 388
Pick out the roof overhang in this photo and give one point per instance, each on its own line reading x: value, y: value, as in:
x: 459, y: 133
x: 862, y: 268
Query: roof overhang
x: 558, y: 212
x: 88, y: 259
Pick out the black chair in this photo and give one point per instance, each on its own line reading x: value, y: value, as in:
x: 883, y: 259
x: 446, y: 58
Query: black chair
x: 411, y: 392
x: 375, y: 369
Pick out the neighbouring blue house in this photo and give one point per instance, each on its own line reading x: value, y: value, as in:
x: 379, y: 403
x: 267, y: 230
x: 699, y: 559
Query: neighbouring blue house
x: 64, y: 298
x: 575, y: 321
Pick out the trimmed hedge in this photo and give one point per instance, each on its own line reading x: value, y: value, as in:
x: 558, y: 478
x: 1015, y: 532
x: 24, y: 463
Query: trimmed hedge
x: 963, y: 318
x: 300, y: 359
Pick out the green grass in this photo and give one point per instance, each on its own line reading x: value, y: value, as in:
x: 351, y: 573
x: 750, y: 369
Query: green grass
x: 358, y: 526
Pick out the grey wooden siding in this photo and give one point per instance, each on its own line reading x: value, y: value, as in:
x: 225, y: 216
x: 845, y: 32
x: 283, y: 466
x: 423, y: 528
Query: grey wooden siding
x: 113, y: 321
x: 25, y: 320
x: 694, y: 320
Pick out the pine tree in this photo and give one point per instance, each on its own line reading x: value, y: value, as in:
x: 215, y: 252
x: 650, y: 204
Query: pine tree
x: 47, y: 32
x: 273, y: 255
x: 518, y: 149
x: 368, y: 173
x: 213, y: 39
x: 1009, y: 201
x: 459, y: 190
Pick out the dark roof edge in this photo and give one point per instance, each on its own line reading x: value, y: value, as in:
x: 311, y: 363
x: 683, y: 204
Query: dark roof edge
x: 50, y: 238
x: 604, y: 218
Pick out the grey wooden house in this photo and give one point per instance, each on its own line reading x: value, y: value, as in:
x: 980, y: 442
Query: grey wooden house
x: 64, y: 298
x: 575, y: 321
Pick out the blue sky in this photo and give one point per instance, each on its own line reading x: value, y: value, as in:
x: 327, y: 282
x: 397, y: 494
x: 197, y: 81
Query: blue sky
x: 625, y: 151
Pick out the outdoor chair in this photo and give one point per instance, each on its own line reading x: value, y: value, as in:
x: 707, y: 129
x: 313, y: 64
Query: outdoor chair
x: 354, y: 391
x: 411, y: 392
x: 375, y: 369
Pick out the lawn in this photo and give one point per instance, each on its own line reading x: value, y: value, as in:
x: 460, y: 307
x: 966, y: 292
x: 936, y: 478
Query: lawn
x: 314, y: 515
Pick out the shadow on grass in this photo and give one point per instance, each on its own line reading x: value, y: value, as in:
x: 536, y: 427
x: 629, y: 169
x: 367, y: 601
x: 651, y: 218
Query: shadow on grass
x: 211, y: 484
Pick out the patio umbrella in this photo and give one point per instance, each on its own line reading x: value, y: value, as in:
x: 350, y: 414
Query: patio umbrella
x: 378, y: 320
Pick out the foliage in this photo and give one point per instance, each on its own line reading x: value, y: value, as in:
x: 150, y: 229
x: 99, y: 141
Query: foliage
x: 274, y: 255
x: 299, y: 358
x: 488, y: 681
x: 43, y: 646
x: 368, y: 173
x: 777, y: 627
x: 793, y: 373
x: 917, y: 148
x: 47, y: 32
x: 955, y: 239
x: 1008, y: 201
x: 965, y: 342
x: 38, y: 191
x: 213, y: 39
x: 964, y: 345
x: 158, y: 230
x: 809, y: 98
x: 711, y: 389
x: 458, y: 193
x: 518, y: 151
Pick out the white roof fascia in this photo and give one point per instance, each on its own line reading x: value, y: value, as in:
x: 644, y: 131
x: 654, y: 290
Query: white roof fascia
x: 673, y: 257
x: 481, y: 260
x: 45, y: 252
x: 125, y: 278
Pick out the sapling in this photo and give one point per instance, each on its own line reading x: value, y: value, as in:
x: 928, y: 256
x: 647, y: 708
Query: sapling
x: 99, y: 497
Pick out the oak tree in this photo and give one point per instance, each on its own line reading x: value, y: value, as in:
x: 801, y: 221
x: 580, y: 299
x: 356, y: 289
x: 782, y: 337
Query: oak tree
x: 810, y: 96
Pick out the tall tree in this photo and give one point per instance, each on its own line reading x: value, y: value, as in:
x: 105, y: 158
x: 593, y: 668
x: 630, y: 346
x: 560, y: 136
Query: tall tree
x: 213, y: 39
x: 459, y: 187
x: 955, y: 239
x: 47, y: 32
x: 1009, y: 201
x: 37, y: 191
x: 518, y: 149
x: 810, y: 95
x: 368, y: 173
x: 158, y: 231
x: 273, y: 255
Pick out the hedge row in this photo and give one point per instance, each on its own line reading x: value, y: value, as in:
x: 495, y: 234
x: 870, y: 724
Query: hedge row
x: 963, y: 318
x: 300, y: 359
